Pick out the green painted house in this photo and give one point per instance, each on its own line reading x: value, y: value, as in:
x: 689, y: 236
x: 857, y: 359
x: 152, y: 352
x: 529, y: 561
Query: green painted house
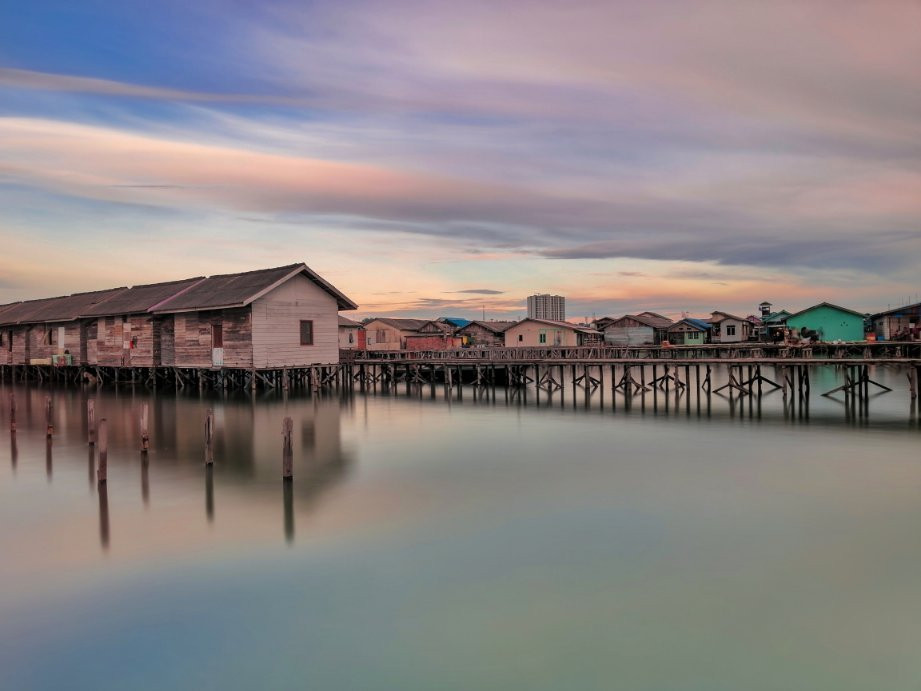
x: 832, y: 323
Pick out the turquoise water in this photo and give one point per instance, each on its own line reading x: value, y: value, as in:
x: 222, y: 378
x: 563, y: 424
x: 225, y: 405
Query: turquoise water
x: 463, y: 544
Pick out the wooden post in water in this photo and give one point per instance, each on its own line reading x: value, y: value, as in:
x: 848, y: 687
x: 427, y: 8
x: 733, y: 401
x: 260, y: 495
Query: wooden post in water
x: 91, y: 421
x: 209, y: 437
x: 103, y: 467
x: 287, y: 452
x: 49, y: 416
x: 13, y: 412
x: 145, y: 436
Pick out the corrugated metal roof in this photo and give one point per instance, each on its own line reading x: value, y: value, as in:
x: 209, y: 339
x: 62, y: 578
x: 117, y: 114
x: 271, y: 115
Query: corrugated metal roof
x: 655, y: 319
x: 401, y: 323
x: 345, y: 321
x: 821, y: 304
x: 140, y: 298
x: 59, y: 309
x: 237, y: 290
x: 696, y: 323
x: 909, y: 310
x: 497, y: 327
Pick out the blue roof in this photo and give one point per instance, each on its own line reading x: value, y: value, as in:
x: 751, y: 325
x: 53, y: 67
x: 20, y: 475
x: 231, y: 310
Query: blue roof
x: 699, y: 323
x: 456, y: 321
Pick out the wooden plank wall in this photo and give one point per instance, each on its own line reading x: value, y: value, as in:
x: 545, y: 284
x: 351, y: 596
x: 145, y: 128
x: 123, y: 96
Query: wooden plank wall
x: 192, y: 338
x: 276, y: 326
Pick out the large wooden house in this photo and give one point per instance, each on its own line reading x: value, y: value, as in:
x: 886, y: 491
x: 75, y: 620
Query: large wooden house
x: 271, y: 318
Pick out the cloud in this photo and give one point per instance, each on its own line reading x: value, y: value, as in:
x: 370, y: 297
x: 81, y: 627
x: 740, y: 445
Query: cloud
x: 480, y: 291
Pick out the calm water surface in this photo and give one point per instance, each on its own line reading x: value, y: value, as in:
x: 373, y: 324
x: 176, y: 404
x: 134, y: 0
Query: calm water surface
x: 464, y: 544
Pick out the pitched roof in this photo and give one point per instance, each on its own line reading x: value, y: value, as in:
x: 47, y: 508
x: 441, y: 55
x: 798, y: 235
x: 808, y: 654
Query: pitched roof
x: 456, y: 322
x: 913, y: 309
x: 401, y: 323
x: 660, y: 320
x: 824, y: 304
x: 725, y: 315
x: 699, y: 324
x: 345, y: 321
x: 60, y: 309
x: 140, y: 298
x: 497, y: 327
x: 776, y: 317
x: 646, y: 318
x: 240, y: 289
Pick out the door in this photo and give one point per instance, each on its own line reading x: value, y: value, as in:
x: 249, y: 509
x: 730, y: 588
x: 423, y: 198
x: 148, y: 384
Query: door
x: 217, y: 345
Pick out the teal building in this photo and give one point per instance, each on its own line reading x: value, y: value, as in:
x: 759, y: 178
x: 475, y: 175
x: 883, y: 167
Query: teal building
x: 832, y: 323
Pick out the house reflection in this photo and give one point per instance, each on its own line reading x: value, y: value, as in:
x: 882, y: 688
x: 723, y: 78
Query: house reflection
x: 104, y: 515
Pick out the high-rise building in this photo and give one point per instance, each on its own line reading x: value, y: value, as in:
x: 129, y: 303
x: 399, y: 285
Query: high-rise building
x: 547, y: 307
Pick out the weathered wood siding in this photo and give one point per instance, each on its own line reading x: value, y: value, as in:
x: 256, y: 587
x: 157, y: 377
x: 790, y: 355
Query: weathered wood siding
x: 192, y: 338
x: 124, y: 341
x: 276, y: 319
x: 481, y: 336
x: 166, y: 334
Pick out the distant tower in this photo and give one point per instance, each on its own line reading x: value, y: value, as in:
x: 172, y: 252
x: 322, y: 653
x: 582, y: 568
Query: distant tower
x: 551, y: 307
x: 765, y: 308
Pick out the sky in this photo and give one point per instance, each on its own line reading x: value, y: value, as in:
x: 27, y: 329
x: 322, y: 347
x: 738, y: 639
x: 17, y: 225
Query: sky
x: 450, y: 158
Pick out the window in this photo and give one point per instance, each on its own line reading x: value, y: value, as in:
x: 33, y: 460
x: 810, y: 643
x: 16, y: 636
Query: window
x: 50, y: 337
x: 351, y: 337
x: 306, y: 333
x: 380, y: 336
x: 520, y: 337
x: 730, y: 329
x: 542, y: 338
x: 693, y: 335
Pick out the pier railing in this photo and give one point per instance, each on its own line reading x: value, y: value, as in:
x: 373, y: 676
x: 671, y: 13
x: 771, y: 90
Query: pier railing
x: 868, y: 351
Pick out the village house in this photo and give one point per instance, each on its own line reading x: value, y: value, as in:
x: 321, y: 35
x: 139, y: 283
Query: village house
x: 121, y: 331
x: 40, y: 331
x: 827, y: 322
x: 351, y: 334
x: 547, y: 333
x: 646, y: 328
x: 899, y: 324
x: 389, y: 333
x: 281, y: 317
x: 728, y: 328
x: 689, y: 331
x: 484, y: 334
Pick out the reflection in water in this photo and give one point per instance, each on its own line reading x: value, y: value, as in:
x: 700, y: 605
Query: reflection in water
x: 91, y: 466
x: 104, y: 515
x: 14, y: 453
x: 209, y: 492
x: 288, y: 490
x: 48, y: 458
x: 145, y: 479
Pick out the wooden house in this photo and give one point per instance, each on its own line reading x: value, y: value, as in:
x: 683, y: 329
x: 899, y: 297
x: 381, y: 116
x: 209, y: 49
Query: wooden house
x: 122, y: 332
x: 351, y: 334
x: 546, y: 333
x: 899, y: 324
x: 827, y: 322
x: 387, y: 333
x: 484, y: 334
x: 281, y: 317
x: 689, y: 331
x: 43, y: 331
x: 646, y: 328
x: 728, y: 328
